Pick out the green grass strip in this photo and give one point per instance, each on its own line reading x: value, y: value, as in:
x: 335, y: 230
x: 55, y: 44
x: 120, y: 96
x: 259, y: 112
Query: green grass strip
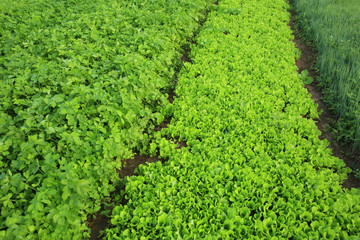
x: 254, y: 167
x: 333, y: 26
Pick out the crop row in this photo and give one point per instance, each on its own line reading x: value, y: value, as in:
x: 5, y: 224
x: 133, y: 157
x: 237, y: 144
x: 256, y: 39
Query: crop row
x: 333, y: 26
x: 82, y: 85
x: 254, y: 167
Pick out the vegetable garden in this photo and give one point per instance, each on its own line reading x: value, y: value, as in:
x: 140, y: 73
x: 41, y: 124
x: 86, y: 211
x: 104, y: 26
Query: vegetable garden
x: 84, y: 85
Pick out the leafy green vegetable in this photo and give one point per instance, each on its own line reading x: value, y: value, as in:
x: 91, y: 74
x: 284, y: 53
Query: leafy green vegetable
x: 82, y: 85
x: 304, y: 76
x: 254, y: 166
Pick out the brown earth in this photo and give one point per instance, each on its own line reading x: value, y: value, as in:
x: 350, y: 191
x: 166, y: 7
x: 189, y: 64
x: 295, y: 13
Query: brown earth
x: 186, y: 57
x: 342, y: 151
x: 97, y: 223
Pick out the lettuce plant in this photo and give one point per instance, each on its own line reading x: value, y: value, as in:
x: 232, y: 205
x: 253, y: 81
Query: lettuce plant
x: 82, y: 85
x: 254, y: 166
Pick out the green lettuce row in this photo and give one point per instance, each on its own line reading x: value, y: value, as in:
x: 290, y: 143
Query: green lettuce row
x: 254, y: 167
x: 82, y: 84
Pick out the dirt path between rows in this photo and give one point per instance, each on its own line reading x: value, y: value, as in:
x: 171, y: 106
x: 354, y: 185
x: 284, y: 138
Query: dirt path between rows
x: 305, y: 62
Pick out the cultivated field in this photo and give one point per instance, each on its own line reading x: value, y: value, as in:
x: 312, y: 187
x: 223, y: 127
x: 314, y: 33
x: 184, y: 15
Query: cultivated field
x: 206, y: 91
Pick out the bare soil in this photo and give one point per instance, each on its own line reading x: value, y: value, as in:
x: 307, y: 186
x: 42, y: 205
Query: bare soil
x: 305, y: 62
x: 97, y: 223
x: 186, y: 57
x: 171, y: 97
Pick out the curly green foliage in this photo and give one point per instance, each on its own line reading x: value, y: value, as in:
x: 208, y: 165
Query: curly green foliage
x: 82, y: 84
x: 254, y: 167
